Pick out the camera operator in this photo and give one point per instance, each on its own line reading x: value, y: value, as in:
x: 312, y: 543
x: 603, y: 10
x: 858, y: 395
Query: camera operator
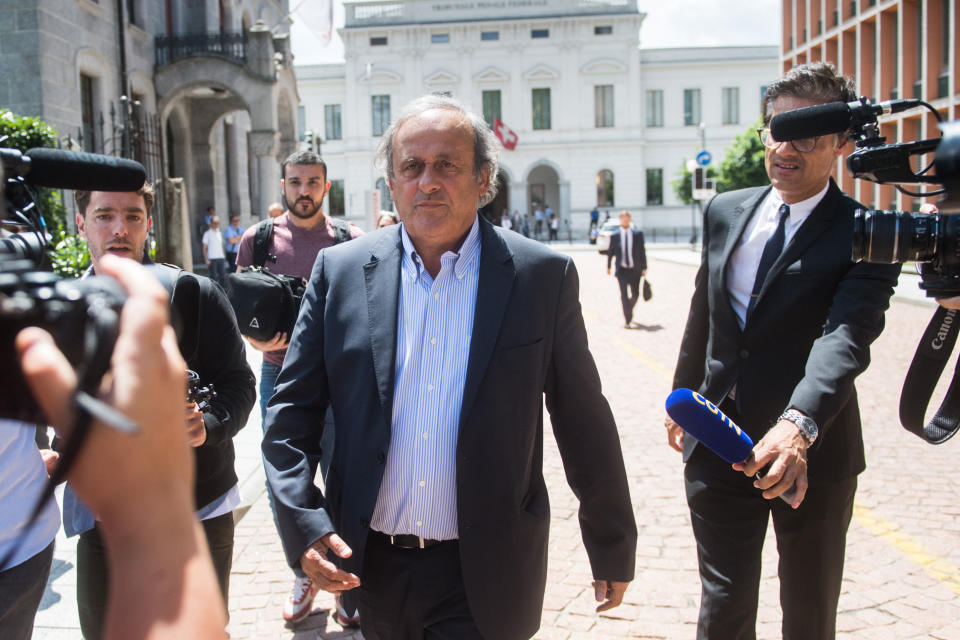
x: 780, y: 325
x: 140, y: 485
x: 117, y: 223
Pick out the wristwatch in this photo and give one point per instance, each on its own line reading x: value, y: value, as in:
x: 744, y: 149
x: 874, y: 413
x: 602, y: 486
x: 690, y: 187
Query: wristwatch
x: 806, y: 425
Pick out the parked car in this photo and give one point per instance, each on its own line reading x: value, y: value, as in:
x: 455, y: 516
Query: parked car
x: 607, y: 229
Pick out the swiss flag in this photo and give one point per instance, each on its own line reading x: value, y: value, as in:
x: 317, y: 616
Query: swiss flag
x: 506, y: 135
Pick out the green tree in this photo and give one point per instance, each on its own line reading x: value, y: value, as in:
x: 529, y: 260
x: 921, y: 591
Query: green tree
x: 24, y: 133
x: 742, y: 164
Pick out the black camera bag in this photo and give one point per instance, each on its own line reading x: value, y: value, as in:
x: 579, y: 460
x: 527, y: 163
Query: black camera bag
x: 266, y: 303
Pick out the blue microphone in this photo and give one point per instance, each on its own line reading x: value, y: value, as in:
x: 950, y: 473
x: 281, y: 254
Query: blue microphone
x: 713, y: 428
x: 704, y: 421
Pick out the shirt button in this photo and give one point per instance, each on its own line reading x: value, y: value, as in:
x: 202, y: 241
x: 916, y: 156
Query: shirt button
x: 744, y: 354
x: 436, y: 296
x: 422, y: 483
x: 419, y: 523
x: 459, y: 276
x: 433, y: 341
x: 429, y: 387
x: 425, y: 435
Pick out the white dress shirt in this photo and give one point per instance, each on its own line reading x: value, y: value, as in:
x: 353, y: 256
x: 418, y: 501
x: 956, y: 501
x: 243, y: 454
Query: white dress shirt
x: 418, y: 495
x: 746, y: 257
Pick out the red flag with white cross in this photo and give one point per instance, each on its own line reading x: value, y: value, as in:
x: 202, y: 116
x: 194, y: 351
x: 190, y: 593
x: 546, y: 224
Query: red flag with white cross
x: 507, y: 137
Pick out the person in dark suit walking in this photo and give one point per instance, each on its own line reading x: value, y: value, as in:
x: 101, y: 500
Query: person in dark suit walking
x: 780, y: 324
x: 435, y: 342
x: 630, y: 256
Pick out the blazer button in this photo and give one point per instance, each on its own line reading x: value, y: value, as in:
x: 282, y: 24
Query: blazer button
x: 744, y: 354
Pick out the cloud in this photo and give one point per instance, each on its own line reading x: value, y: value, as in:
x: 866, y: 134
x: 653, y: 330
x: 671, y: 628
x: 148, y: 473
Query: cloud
x: 701, y: 23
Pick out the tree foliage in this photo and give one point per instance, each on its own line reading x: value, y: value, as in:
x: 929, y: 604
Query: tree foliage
x: 742, y: 164
x: 24, y: 133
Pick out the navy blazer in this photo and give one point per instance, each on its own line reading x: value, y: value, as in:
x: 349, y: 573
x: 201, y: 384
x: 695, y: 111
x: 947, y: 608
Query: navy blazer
x: 615, y: 252
x: 528, y: 343
x: 809, y: 334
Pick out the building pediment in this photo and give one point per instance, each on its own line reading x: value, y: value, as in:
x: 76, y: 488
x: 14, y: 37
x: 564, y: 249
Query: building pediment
x: 541, y: 72
x: 491, y: 75
x: 603, y: 66
x: 441, y: 77
x: 379, y: 76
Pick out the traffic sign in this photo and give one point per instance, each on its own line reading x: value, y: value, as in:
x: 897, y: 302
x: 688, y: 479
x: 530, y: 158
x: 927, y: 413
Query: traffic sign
x: 704, y: 158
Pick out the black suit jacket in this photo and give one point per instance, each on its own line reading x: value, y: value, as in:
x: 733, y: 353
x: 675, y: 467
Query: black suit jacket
x: 615, y: 252
x: 807, y: 338
x: 528, y: 342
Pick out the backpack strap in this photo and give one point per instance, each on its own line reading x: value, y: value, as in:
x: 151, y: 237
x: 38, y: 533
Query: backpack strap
x: 341, y: 230
x: 263, y: 242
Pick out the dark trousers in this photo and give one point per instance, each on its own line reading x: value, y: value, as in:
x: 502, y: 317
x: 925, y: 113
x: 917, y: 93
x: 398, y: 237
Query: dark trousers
x: 629, y: 280
x: 729, y: 518
x: 218, y: 270
x: 413, y: 594
x: 231, y: 262
x: 21, y: 589
x: 93, y: 572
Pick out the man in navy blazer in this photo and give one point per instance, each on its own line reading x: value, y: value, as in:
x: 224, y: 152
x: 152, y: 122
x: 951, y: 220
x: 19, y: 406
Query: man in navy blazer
x: 435, y: 342
x: 630, y: 256
x: 780, y: 325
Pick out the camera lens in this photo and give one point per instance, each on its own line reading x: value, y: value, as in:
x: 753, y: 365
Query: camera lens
x: 894, y: 236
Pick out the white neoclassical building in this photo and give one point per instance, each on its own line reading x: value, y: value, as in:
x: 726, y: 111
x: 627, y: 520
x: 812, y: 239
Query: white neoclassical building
x: 566, y: 76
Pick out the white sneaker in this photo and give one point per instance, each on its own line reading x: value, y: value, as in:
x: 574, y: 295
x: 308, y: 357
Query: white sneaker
x: 300, y: 602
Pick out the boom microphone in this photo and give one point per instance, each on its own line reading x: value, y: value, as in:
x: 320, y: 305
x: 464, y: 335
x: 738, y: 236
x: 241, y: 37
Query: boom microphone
x: 832, y: 117
x: 73, y: 170
x: 704, y: 421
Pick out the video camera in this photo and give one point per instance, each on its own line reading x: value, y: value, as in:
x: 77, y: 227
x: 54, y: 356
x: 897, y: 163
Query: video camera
x: 81, y: 315
x: 930, y: 239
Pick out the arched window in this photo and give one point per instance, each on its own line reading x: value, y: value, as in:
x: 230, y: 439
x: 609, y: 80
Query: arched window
x: 386, y: 203
x: 605, y: 188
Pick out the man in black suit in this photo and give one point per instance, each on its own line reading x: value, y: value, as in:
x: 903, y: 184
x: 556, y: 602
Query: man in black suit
x: 435, y: 342
x: 626, y: 248
x: 780, y: 324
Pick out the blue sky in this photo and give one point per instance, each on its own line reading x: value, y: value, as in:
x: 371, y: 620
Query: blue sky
x: 669, y: 23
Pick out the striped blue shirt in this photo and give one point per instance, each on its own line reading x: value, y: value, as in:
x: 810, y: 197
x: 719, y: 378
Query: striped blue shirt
x: 418, y: 494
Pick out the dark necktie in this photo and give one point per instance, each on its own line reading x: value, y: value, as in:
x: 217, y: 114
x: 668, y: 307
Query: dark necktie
x: 771, y: 251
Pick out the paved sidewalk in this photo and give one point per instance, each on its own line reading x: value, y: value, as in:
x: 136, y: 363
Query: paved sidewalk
x: 901, y: 577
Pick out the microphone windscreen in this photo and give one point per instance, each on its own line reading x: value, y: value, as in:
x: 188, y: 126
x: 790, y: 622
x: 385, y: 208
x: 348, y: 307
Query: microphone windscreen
x: 86, y: 171
x: 704, y: 421
x: 810, y: 122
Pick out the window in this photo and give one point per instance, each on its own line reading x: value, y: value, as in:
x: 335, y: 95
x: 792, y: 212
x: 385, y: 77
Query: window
x: 87, y: 116
x: 605, y: 188
x: 489, y: 35
x: 440, y: 38
x: 331, y: 117
x: 603, y: 30
x: 603, y: 105
x: 335, y: 198
x: 691, y: 107
x: 491, y: 106
x: 763, y: 94
x: 654, y: 187
x: 540, y: 33
x: 541, y: 108
x: 654, y: 107
x: 731, y: 105
x: 380, y: 106
x: 378, y: 41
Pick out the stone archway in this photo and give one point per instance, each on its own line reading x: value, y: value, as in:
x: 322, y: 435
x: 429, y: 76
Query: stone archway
x: 501, y: 202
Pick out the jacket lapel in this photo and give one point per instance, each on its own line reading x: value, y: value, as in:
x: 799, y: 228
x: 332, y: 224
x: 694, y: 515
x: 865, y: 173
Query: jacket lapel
x: 382, y: 284
x: 494, y: 285
x: 743, y: 213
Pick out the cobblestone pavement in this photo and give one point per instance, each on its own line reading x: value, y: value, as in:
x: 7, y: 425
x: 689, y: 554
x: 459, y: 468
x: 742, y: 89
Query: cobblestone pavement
x: 901, y: 579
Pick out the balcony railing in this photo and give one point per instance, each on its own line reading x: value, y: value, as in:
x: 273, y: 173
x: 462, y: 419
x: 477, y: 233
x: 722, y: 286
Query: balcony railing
x: 227, y: 44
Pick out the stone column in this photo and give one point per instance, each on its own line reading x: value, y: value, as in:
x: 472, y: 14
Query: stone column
x: 265, y: 145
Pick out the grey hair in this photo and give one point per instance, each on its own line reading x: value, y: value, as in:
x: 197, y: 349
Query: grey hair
x: 486, y: 147
x: 817, y: 81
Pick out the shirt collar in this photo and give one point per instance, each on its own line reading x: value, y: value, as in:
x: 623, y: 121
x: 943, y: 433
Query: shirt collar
x: 463, y: 259
x: 799, y: 210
